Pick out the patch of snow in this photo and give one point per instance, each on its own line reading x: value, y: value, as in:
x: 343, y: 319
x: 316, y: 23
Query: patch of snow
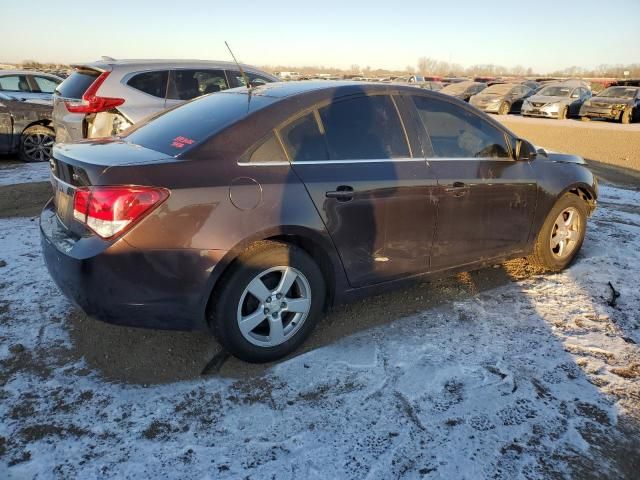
x: 15, y: 173
x: 522, y: 381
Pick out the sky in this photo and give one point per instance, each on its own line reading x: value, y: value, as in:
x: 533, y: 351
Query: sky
x: 544, y: 34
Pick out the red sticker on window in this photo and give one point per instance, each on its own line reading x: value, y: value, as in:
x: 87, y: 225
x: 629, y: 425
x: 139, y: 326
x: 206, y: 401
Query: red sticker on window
x: 180, y: 142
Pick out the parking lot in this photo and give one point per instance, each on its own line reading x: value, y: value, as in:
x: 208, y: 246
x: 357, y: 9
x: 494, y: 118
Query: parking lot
x: 528, y: 375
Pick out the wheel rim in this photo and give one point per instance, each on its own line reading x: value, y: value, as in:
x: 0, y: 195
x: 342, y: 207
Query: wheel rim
x: 37, y: 147
x: 504, y: 109
x: 274, y: 306
x: 565, y: 233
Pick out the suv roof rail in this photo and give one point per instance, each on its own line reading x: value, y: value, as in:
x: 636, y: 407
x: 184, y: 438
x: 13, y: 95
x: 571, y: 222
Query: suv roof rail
x: 106, y: 58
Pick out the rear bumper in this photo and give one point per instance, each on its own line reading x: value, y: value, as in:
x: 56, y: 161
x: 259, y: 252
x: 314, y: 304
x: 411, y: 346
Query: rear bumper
x: 123, y: 285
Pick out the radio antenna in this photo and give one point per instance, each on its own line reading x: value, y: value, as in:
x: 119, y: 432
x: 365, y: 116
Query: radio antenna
x: 244, y: 75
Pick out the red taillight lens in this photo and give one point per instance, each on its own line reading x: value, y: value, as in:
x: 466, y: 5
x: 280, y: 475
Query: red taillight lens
x: 108, y: 211
x: 91, y: 103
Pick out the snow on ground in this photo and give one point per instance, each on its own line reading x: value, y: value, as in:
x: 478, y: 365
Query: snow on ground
x: 15, y: 173
x: 538, y: 378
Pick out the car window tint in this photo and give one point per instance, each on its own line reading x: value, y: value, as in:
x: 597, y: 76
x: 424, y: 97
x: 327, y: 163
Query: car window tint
x: 364, y: 128
x: 188, y: 84
x: 253, y: 78
x: 268, y: 151
x: 14, y: 83
x: 303, y: 140
x: 77, y: 83
x: 46, y: 85
x: 152, y: 83
x: 458, y: 133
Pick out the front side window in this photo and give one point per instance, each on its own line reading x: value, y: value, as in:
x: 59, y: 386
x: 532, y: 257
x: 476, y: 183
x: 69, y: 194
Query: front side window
x: 303, y: 140
x: 364, y: 128
x: 188, y: 84
x: 14, y: 83
x: 458, y: 133
x: 151, y: 83
x: 46, y: 85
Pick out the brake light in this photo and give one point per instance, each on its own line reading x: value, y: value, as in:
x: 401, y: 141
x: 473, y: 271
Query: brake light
x: 91, y: 103
x: 109, y: 211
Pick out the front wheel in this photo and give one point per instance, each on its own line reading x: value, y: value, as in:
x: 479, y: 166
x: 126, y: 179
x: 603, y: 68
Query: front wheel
x: 561, y: 235
x: 36, y: 144
x: 269, y: 303
x: 504, y: 108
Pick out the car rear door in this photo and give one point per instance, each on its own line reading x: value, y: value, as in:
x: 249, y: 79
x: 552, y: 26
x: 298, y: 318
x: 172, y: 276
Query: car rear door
x: 371, y: 192
x: 148, y: 94
x: 43, y: 87
x: 487, y: 199
x: 186, y: 84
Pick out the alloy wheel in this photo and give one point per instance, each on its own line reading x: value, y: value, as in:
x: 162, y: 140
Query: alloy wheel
x: 274, y: 306
x: 565, y: 233
x: 36, y: 147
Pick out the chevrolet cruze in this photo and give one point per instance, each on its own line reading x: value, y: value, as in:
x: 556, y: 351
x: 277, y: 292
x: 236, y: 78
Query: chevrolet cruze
x: 247, y: 212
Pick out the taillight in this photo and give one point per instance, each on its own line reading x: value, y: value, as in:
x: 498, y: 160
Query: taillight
x: 91, y: 103
x: 109, y: 211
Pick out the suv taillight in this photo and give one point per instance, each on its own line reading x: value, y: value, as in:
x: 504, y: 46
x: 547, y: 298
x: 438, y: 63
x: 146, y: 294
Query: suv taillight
x: 91, y: 103
x: 109, y: 211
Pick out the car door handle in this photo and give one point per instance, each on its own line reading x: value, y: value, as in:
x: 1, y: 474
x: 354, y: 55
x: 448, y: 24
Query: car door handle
x: 343, y: 193
x: 458, y: 189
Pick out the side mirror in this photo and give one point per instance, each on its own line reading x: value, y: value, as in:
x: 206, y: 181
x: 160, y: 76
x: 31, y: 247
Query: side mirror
x: 525, y: 151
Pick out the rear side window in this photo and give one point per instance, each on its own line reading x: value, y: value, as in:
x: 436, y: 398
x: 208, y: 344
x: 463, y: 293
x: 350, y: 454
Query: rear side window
x: 77, y: 83
x: 303, y: 140
x: 14, y: 83
x: 179, y: 129
x: 364, y: 128
x: 269, y: 151
x: 458, y: 133
x: 46, y: 85
x: 152, y: 83
x: 188, y: 84
x: 255, y: 79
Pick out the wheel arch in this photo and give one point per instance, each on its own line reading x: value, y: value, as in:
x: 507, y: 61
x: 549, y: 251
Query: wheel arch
x: 584, y: 191
x: 43, y: 122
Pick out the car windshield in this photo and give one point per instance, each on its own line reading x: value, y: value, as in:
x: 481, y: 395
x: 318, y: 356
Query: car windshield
x: 620, y: 92
x: 456, y: 87
x: 178, y: 130
x: 498, y: 89
x: 555, y: 91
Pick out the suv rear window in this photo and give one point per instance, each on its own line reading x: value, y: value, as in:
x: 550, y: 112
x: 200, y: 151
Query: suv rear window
x: 77, y: 83
x: 179, y: 129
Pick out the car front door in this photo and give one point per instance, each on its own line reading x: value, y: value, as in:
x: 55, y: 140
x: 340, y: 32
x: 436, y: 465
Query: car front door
x: 6, y: 126
x: 16, y: 86
x: 486, y: 199
x: 371, y: 192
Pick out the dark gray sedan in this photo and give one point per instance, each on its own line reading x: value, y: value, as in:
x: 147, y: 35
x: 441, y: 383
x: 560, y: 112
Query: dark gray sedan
x: 25, y: 128
x: 501, y: 98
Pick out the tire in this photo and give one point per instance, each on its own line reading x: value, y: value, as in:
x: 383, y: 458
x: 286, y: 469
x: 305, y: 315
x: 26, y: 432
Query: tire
x: 626, y: 116
x: 562, y: 114
x: 260, y: 270
x: 585, y: 119
x: 504, y: 109
x: 36, y: 143
x: 551, y: 258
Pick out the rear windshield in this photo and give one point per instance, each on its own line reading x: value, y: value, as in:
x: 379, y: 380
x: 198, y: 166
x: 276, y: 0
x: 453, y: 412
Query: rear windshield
x: 77, y: 83
x: 182, y: 128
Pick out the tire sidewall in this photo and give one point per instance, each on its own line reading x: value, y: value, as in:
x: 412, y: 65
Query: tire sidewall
x: 247, y: 267
x: 33, y: 130
x: 543, y: 248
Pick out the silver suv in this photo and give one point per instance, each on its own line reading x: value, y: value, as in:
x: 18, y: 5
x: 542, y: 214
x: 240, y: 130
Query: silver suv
x: 102, y: 98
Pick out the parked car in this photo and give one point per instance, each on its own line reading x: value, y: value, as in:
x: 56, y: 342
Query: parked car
x: 501, y: 98
x: 27, y: 84
x: 432, y: 85
x: 247, y: 215
x: 25, y: 128
x: 464, y: 90
x: 103, y: 98
x: 613, y: 103
x: 560, y: 100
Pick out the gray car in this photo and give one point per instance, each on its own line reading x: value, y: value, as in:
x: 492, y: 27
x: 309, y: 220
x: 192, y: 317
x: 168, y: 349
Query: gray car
x: 103, y: 98
x: 27, y: 84
x: 558, y: 100
x: 501, y: 98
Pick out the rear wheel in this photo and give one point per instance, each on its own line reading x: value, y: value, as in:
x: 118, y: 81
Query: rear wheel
x: 561, y: 235
x: 269, y: 303
x: 504, y: 109
x: 36, y: 144
x: 562, y: 114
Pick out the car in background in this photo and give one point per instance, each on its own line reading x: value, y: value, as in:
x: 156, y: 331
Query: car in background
x: 103, y: 98
x: 614, y: 103
x: 432, y: 85
x: 27, y: 84
x: 246, y: 214
x: 464, y: 90
x: 557, y: 100
x: 25, y: 128
x: 501, y: 98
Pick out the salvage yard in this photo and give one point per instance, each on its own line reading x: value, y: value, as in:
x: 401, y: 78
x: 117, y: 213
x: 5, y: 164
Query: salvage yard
x: 499, y: 373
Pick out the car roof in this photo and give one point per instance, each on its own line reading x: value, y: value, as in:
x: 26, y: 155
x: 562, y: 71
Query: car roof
x: 27, y: 72
x: 109, y: 64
